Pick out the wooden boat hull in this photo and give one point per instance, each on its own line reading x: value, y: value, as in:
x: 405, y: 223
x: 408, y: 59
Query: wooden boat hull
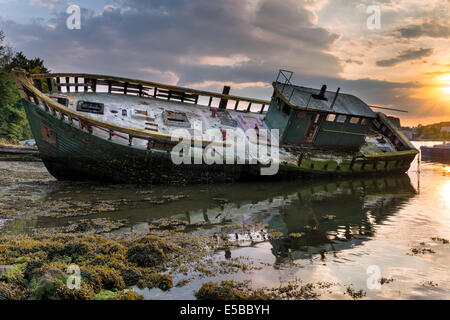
x: 79, y: 155
x: 70, y: 153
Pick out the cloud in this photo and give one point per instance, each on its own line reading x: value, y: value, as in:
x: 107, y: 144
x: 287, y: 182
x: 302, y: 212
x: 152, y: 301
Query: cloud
x: 411, y: 54
x: 202, y: 40
x: 426, y: 29
x: 354, y: 61
x: 45, y: 3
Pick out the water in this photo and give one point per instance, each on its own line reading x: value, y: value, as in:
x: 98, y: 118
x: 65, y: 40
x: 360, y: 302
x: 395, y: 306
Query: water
x: 350, y: 228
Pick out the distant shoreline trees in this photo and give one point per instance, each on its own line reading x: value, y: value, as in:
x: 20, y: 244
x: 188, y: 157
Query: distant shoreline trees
x: 13, y: 123
x: 436, y: 131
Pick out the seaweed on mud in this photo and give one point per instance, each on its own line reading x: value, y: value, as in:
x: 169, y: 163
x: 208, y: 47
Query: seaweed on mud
x: 442, y: 240
x: 128, y: 295
x: 149, y: 252
x: 355, y: 294
x: 234, y: 290
x: 182, y: 283
x: 85, y: 226
x: 430, y: 284
x: 120, y: 295
x: 156, y: 280
x: 386, y: 280
x: 416, y: 251
x: 229, y: 290
x: 11, y: 292
x: 107, y: 262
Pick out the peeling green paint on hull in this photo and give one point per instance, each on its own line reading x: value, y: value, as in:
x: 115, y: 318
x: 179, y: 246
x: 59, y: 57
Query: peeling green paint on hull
x: 80, y: 155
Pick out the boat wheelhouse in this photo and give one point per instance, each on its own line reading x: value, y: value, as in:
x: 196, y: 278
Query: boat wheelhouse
x: 318, y: 118
x: 124, y: 130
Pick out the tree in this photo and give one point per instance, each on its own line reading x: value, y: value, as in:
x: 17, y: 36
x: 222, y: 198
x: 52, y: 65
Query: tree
x: 13, y: 123
x: 19, y: 60
x: 6, y: 52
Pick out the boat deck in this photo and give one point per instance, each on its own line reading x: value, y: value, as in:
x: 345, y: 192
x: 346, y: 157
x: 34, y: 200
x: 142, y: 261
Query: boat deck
x: 147, y: 113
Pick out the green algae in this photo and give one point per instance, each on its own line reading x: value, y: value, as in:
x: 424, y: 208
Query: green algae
x: 105, y: 295
x: 110, y: 262
x: 13, y: 274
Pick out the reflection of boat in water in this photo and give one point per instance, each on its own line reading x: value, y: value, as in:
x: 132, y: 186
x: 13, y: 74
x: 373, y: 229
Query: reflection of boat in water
x: 329, y: 215
x: 439, y: 152
x: 336, y: 216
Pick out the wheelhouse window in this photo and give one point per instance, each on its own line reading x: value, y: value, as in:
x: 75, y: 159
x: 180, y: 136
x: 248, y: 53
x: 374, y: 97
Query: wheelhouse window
x: 341, y: 119
x: 364, y: 122
x: 354, y: 120
x: 286, y: 109
x: 331, y: 117
x: 278, y: 102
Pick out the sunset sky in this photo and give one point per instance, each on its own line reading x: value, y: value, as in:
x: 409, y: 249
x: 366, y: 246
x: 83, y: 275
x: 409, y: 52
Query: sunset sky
x: 208, y: 43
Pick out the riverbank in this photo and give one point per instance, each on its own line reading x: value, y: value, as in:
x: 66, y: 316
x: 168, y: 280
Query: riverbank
x: 10, y: 152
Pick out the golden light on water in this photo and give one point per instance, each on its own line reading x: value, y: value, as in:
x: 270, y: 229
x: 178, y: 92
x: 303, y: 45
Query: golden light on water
x: 445, y: 194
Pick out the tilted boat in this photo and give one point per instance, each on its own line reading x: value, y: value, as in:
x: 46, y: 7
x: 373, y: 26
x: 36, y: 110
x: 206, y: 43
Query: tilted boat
x: 123, y: 130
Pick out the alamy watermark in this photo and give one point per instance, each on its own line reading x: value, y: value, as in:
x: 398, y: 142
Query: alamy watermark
x: 374, y: 280
x: 74, y: 20
x: 74, y: 279
x: 374, y: 20
x: 232, y: 146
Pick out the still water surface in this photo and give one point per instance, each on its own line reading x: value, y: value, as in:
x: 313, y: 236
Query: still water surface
x: 350, y: 227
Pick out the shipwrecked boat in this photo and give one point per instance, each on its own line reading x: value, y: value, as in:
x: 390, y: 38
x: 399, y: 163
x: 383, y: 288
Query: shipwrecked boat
x: 123, y: 130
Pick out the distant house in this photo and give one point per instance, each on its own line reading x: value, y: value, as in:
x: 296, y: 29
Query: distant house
x: 445, y: 129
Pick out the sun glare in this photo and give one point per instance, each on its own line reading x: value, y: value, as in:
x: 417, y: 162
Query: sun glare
x: 444, y: 82
x: 445, y: 78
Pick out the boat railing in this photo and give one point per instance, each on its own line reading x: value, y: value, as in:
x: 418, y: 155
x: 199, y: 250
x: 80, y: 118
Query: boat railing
x: 29, y: 91
x: 284, y: 78
x: 71, y: 82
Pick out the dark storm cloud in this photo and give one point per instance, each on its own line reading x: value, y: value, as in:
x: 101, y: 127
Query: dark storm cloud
x: 432, y: 30
x: 411, y: 54
x: 159, y: 34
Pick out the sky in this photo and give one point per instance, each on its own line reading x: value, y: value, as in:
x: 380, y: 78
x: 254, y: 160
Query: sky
x: 206, y: 44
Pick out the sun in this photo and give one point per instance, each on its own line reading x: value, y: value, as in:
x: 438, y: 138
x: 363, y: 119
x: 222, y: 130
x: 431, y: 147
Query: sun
x: 444, y: 81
